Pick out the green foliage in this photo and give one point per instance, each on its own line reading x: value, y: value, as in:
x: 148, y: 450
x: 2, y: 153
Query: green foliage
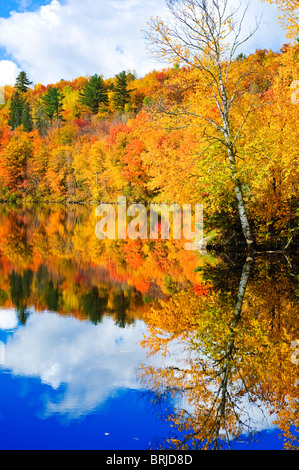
x: 16, y: 110
x: 121, y: 93
x: 20, y: 113
x: 40, y: 119
x: 94, y: 93
x: 22, y: 82
x: 27, y: 121
x: 52, y: 103
x: 147, y: 101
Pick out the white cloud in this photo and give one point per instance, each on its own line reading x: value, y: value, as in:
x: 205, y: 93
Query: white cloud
x: 73, y: 38
x: 79, y: 38
x: 8, y: 72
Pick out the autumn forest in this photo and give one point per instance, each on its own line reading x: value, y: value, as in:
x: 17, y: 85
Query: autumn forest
x: 211, y: 129
x: 139, y: 342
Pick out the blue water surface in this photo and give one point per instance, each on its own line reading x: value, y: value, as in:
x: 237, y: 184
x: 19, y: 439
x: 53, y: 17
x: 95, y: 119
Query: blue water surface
x: 67, y: 384
x: 51, y: 399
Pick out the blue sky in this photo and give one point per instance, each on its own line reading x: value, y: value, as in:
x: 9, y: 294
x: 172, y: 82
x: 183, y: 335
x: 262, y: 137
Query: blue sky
x: 19, y: 5
x: 58, y: 39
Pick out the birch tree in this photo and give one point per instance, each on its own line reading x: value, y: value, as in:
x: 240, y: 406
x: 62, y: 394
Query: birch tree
x: 206, y: 35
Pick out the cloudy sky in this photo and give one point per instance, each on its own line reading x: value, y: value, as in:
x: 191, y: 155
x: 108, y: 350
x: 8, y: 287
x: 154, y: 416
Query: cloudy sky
x: 64, y: 39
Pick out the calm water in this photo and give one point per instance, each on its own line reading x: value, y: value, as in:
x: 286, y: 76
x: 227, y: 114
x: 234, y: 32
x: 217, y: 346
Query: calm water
x: 140, y: 345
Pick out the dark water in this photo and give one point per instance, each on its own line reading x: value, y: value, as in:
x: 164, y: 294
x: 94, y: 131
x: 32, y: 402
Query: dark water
x: 84, y: 325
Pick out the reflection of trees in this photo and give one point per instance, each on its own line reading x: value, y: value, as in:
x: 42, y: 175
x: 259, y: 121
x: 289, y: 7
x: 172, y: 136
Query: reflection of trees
x: 20, y: 290
x: 94, y: 304
x: 52, y: 296
x: 120, y: 306
x: 15, y: 235
x: 58, y: 244
x: 237, y: 359
x: 223, y: 398
x: 48, y: 290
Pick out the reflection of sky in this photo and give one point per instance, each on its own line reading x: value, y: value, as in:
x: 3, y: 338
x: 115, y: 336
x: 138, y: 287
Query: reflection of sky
x: 84, y: 370
x: 8, y: 319
x: 87, y: 362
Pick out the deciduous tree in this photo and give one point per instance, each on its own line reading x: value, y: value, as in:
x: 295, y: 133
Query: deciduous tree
x: 14, y: 160
x: 205, y: 36
x: 289, y: 16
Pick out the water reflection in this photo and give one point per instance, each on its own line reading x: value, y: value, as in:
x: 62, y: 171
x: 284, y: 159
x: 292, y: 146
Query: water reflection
x: 238, y: 379
x: 208, y: 336
x: 51, y: 258
x: 84, y: 363
x: 71, y: 320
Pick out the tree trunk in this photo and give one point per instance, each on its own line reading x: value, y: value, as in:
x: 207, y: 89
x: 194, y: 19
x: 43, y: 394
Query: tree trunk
x: 240, y: 201
x: 232, y: 161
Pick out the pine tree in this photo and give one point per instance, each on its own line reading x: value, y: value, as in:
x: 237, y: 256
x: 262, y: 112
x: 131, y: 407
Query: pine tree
x: 20, y: 111
x: 52, y: 103
x: 27, y: 121
x: 121, y: 95
x: 41, y: 121
x: 22, y: 82
x: 16, y: 110
x: 94, y: 93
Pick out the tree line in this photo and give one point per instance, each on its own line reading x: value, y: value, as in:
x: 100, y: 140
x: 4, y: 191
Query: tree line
x: 94, y: 94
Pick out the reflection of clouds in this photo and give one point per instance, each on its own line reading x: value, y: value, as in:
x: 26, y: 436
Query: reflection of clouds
x: 8, y: 319
x: 253, y: 413
x: 89, y: 361
x: 255, y: 416
x: 85, y: 363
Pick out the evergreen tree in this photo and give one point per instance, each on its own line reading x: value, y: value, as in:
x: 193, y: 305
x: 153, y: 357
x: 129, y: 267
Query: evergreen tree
x: 121, y: 95
x: 41, y: 121
x: 241, y: 57
x: 52, y: 103
x: 20, y: 112
x: 27, y: 121
x: 22, y: 82
x: 16, y: 110
x: 94, y: 93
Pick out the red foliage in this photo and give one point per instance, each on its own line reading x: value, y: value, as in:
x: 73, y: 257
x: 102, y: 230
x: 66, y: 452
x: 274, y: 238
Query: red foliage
x: 132, y: 254
x: 133, y: 170
x: 200, y: 290
x: 161, y: 76
x: 112, y: 139
x: 81, y: 123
